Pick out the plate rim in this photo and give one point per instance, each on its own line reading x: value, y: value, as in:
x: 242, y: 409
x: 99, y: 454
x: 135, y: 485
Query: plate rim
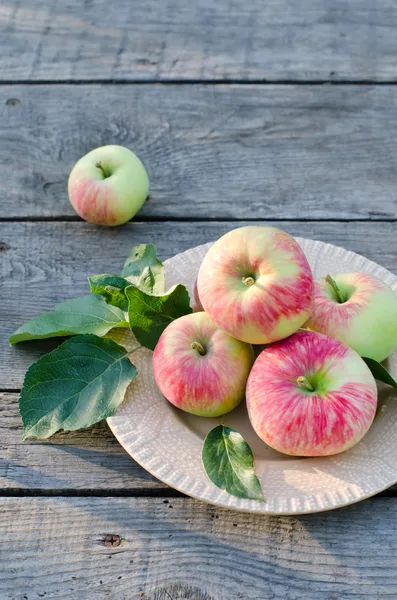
x: 248, y: 510
x: 254, y: 509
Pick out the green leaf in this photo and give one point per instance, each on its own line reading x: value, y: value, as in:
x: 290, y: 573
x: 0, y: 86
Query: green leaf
x: 380, y: 372
x: 229, y: 463
x: 144, y: 270
x: 111, y: 287
x: 76, y: 385
x: 149, y: 315
x: 87, y: 314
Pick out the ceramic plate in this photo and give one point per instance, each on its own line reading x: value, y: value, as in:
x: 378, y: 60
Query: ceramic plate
x: 167, y: 442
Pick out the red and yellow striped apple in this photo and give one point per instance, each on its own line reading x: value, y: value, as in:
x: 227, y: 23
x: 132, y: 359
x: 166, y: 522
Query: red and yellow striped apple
x: 108, y: 185
x: 256, y: 284
x: 310, y: 395
x: 357, y: 309
x: 199, y: 368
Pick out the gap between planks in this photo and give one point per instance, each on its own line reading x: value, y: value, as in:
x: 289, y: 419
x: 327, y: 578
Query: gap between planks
x: 127, y: 493
x: 159, y: 219
x: 187, y: 82
x: 93, y: 493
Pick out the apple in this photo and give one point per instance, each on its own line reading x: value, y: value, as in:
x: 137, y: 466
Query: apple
x: 108, y: 185
x: 256, y: 284
x: 310, y: 395
x: 358, y: 309
x: 199, y: 368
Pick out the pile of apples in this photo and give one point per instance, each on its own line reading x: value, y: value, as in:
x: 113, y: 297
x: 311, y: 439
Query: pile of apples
x: 309, y: 392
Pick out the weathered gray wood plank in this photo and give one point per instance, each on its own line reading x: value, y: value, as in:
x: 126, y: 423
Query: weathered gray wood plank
x: 278, y: 39
x: 310, y: 152
x: 45, y: 263
x: 182, y: 549
x: 80, y: 461
x: 86, y: 461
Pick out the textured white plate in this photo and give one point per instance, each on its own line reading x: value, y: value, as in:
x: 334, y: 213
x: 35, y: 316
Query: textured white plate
x: 167, y: 442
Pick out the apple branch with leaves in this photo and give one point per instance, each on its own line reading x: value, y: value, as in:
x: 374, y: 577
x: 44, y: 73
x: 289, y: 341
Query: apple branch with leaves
x: 84, y: 380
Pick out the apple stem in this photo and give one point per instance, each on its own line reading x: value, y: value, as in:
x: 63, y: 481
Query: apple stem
x: 105, y: 173
x: 248, y: 281
x: 335, y: 287
x: 197, y: 346
x: 304, y: 384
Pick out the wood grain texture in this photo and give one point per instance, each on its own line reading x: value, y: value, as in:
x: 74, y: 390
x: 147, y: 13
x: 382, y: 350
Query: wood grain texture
x: 182, y: 549
x: 310, y: 152
x: 278, y: 39
x: 79, y: 461
x: 46, y: 263
x: 89, y: 461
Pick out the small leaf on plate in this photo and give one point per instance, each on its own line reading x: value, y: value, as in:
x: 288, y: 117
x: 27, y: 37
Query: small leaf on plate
x: 149, y: 315
x: 76, y: 385
x: 229, y: 463
x: 144, y: 270
x: 87, y: 314
x: 111, y: 287
x: 380, y: 372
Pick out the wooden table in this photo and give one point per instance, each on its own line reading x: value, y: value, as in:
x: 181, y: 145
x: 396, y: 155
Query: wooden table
x: 281, y: 112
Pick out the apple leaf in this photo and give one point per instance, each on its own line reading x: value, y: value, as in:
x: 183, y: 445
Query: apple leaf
x: 380, y: 372
x: 87, y: 314
x: 111, y: 287
x: 76, y: 385
x: 149, y: 315
x: 229, y: 463
x: 144, y: 270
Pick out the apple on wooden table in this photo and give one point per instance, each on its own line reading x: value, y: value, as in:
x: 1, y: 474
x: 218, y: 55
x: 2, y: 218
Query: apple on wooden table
x: 256, y: 284
x: 357, y: 309
x: 108, y: 185
x: 199, y: 368
x: 310, y: 395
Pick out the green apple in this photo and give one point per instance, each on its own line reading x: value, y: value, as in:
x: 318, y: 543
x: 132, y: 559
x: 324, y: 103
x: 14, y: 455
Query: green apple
x: 357, y: 309
x: 108, y: 185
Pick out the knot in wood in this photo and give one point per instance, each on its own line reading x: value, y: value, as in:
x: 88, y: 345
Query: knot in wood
x: 112, y: 540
